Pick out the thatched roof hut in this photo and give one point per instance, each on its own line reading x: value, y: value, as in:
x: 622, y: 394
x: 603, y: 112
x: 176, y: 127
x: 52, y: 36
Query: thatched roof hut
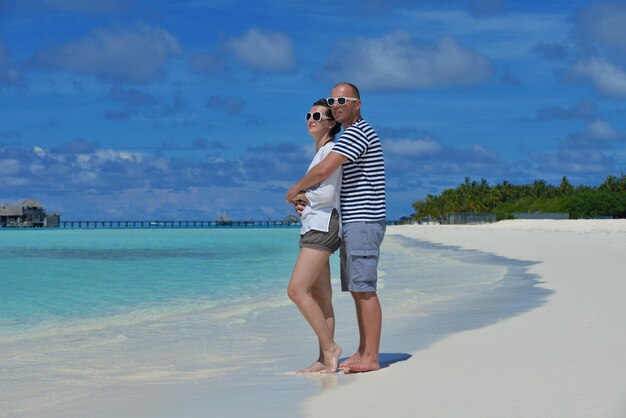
x: 31, y: 203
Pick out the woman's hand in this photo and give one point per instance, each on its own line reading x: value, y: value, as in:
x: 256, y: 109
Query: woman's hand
x: 299, y: 206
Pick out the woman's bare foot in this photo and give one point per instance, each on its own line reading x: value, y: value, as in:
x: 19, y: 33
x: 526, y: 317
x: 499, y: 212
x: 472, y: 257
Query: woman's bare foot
x: 316, y: 367
x: 331, y: 359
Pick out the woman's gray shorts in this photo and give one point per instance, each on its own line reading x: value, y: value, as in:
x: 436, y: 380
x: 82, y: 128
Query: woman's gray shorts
x: 360, y: 249
x: 320, y: 240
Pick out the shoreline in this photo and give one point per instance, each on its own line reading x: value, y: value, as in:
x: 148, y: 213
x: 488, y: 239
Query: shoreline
x: 561, y: 359
x: 148, y: 382
x: 477, y: 318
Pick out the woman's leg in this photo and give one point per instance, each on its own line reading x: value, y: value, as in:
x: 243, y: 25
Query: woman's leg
x: 310, y: 267
x: 322, y: 294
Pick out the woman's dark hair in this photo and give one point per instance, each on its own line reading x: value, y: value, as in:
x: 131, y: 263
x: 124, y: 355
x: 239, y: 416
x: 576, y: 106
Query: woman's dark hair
x: 329, y: 113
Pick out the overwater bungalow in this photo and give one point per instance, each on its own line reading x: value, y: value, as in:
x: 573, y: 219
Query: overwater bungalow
x: 28, y: 214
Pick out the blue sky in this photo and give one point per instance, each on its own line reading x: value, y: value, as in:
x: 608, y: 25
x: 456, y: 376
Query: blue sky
x: 184, y: 109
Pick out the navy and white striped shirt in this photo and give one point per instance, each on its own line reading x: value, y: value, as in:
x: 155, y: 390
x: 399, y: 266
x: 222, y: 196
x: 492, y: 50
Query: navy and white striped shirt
x: 363, y: 186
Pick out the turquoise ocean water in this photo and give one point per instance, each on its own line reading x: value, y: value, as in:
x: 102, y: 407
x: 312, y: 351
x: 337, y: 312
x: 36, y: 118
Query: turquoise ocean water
x: 71, y: 277
x: 195, y: 320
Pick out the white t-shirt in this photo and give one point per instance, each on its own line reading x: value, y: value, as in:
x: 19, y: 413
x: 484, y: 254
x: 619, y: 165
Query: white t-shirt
x: 323, y: 197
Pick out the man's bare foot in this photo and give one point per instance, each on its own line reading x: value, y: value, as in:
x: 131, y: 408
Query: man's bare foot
x: 316, y: 367
x: 362, y: 366
x: 354, y: 359
x: 331, y: 359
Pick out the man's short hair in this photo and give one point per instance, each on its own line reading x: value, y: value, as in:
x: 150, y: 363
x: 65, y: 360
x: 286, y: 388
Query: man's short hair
x: 354, y: 88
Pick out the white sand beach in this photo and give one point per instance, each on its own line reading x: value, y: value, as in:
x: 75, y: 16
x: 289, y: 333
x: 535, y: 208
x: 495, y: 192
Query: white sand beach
x: 563, y: 359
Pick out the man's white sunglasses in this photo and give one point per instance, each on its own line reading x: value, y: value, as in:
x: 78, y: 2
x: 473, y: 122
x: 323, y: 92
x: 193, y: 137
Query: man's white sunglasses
x: 339, y: 100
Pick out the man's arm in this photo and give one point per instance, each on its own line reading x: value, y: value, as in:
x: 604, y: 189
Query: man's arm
x: 321, y: 171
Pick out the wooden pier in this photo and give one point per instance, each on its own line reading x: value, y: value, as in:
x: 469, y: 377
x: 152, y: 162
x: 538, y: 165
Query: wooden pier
x: 175, y: 224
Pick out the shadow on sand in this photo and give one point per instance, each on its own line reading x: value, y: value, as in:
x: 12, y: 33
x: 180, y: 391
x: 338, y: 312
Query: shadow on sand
x: 387, y: 359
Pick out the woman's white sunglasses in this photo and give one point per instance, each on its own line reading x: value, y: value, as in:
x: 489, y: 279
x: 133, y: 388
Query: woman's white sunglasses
x: 317, y: 116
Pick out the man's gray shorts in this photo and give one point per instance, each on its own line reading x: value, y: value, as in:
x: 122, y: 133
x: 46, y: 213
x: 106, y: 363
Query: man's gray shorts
x: 360, y: 249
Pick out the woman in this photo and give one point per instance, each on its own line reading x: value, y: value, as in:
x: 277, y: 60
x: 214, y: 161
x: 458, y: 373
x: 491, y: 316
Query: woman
x: 309, y: 287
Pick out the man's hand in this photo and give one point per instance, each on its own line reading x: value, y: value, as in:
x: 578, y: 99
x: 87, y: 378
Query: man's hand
x: 292, y: 194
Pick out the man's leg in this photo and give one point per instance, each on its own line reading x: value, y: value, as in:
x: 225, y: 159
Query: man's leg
x: 369, y: 317
x: 345, y: 278
x: 359, y: 261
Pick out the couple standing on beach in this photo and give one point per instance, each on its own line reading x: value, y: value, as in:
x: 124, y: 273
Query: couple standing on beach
x: 341, y: 201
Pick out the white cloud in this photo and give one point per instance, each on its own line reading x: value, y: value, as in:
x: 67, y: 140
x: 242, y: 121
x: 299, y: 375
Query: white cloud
x: 576, y: 161
x: 503, y: 37
x: 39, y: 151
x: 263, y: 50
x: 96, y: 159
x: 420, y: 148
x: 484, y: 154
x: 606, y: 78
x: 413, y: 159
x: 74, y: 167
x: 137, y: 53
x: 397, y: 61
x: 599, y: 129
x: 9, y: 167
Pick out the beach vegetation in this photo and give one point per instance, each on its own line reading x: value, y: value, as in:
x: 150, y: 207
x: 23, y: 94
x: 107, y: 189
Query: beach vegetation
x: 505, y: 199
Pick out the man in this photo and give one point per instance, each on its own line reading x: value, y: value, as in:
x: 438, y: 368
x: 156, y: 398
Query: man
x: 363, y: 214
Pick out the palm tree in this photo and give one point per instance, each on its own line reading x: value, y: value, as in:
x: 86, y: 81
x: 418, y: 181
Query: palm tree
x: 565, y: 188
x: 611, y: 184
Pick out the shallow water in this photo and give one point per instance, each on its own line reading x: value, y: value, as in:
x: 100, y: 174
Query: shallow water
x: 159, y: 322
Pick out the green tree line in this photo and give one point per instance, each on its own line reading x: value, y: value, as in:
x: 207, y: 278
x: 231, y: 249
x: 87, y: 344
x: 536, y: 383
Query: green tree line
x: 505, y: 199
